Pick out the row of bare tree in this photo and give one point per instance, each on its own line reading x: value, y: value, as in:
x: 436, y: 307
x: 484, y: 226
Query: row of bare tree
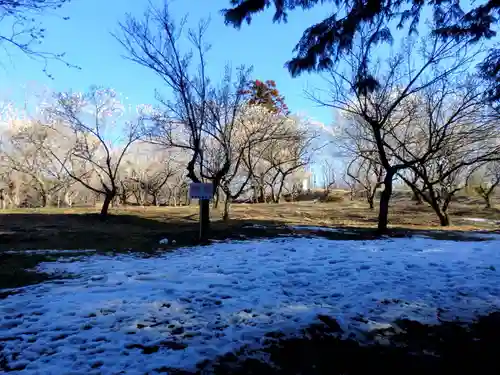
x: 81, y: 150
x: 418, y: 115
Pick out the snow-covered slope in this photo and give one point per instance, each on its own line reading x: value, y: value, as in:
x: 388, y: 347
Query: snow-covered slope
x: 135, y: 315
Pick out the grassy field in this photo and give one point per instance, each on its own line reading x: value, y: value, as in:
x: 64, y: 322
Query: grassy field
x: 141, y: 228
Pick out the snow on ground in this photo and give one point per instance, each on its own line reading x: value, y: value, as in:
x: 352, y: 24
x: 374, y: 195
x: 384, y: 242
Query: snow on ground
x: 256, y: 226
x: 48, y: 251
x: 315, y: 228
x: 481, y: 220
x: 132, y: 314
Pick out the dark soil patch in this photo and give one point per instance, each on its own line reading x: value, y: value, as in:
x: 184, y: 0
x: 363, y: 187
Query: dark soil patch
x: 449, y: 348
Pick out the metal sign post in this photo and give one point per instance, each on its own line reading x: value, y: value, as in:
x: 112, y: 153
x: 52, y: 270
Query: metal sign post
x: 203, y: 192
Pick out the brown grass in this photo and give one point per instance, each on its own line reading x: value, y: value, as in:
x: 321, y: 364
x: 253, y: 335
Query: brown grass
x: 140, y: 228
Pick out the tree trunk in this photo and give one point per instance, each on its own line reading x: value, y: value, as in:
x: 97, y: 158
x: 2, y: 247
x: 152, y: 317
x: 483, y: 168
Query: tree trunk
x: 123, y: 198
x: 280, y: 190
x: 44, y: 198
x: 204, y: 219
x: 385, y: 198
x: 227, y: 202
x: 107, y: 201
x: 352, y: 193
x: 68, y: 199
x: 273, y: 196
x: 255, y: 194
x: 444, y: 219
x: 442, y: 214
x: 487, y: 201
x: 416, y: 198
x: 370, y: 200
x: 216, y: 199
x: 262, y: 196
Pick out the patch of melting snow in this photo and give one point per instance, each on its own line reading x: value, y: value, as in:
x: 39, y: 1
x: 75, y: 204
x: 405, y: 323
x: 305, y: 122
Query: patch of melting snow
x: 315, y: 228
x: 481, y: 220
x: 49, y: 251
x: 256, y: 226
x: 126, y: 314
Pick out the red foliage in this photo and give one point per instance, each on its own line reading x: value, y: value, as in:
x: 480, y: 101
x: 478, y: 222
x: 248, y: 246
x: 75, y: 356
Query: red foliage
x: 265, y: 93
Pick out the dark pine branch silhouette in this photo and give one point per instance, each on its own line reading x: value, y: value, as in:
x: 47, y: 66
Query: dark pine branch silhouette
x: 322, y: 44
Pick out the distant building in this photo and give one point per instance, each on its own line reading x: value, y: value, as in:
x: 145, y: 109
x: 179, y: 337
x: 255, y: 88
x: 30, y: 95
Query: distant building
x: 307, y: 181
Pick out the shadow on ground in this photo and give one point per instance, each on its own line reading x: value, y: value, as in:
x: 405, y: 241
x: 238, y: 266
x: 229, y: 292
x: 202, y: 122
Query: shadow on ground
x: 132, y: 233
x: 448, y: 348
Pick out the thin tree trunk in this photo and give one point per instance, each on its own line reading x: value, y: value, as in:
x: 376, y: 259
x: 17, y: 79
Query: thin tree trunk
x: 44, y: 200
x: 227, y: 203
x: 352, y: 193
x: 441, y: 210
x: 123, y: 198
x: 280, y: 190
x: 416, y: 197
x: 370, y: 201
x: 487, y: 201
x: 68, y: 200
x: 205, y: 218
x: 262, y: 197
x: 273, y: 196
x: 216, y: 199
x: 385, y: 198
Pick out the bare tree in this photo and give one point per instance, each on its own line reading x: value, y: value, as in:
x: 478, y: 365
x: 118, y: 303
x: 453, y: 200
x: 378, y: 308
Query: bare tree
x: 201, y: 116
x: 288, y: 156
x: 368, y: 175
x: 328, y: 176
x: 24, y: 150
x: 352, y: 184
x: 14, y: 186
x: 383, y: 104
x: 489, y: 175
x: 256, y: 127
x: 98, y: 137
x: 147, y: 170
x: 451, y: 115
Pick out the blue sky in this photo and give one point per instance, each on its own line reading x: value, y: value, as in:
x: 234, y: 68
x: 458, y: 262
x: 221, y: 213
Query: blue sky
x: 87, y: 42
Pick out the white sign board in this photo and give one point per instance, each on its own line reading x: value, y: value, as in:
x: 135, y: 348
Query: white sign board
x: 201, y: 191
